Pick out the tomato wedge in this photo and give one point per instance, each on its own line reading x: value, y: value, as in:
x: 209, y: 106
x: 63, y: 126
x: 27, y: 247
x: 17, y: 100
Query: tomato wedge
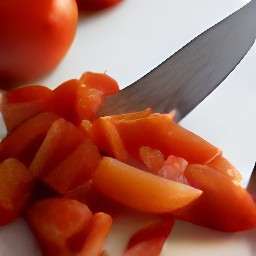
x: 75, y: 169
x: 159, y: 131
x: 141, y: 190
x: 61, y: 139
x: 28, y: 93
x: 223, y: 205
x: 23, y: 142
x: 22, y: 103
x: 224, y: 166
x: 97, y: 232
x: 101, y: 82
x: 107, y: 138
x: 150, y: 239
x: 15, y: 113
x: 59, y: 225
x: 15, y: 188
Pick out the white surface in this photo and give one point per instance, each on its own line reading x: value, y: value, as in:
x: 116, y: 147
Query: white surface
x: 128, y: 41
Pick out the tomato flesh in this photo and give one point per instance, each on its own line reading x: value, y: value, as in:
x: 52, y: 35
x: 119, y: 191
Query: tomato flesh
x: 15, y: 188
x: 56, y: 235
x: 141, y: 190
x: 150, y: 239
x: 223, y: 205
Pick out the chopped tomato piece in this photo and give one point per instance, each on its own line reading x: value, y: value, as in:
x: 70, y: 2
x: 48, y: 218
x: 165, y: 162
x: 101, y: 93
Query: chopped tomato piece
x: 15, y: 188
x: 15, y: 113
x: 108, y: 140
x: 59, y: 225
x: 23, y: 142
x: 173, y: 169
x: 61, y: 139
x: 88, y: 104
x: 150, y: 240
x: 153, y: 158
x: 139, y: 189
x: 88, y: 194
x: 75, y: 101
x: 224, y: 166
x: 131, y: 116
x: 98, y: 230
x: 75, y: 169
x: 86, y: 127
x: 22, y: 103
x: 81, y: 193
x: 159, y: 131
x: 223, y: 205
x: 28, y: 93
x: 101, y: 82
x: 64, y: 98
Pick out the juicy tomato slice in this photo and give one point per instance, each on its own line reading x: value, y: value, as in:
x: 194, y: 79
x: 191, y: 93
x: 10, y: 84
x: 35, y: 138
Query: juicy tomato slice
x: 23, y: 142
x: 100, y: 81
x: 61, y: 139
x: 131, y: 116
x: 141, y: 190
x: 75, y: 169
x: 28, y: 93
x: 59, y: 225
x: 223, y: 205
x: 107, y: 138
x: 159, y: 131
x: 224, y: 166
x: 173, y: 169
x: 15, y: 188
x: 15, y: 113
x: 75, y: 101
x: 153, y: 158
x: 64, y: 98
x: 22, y: 103
x: 98, y: 230
x: 150, y: 239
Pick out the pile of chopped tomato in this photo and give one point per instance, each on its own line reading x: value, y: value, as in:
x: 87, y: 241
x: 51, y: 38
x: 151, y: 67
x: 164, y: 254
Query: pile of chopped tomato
x: 70, y: 173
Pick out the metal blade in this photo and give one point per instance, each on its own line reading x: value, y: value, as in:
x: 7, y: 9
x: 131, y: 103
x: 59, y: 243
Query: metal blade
x: 183, y: 80
x: 251, y: 186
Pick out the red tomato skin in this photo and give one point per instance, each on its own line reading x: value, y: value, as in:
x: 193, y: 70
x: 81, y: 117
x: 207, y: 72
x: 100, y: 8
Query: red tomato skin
x: 150, y: 239
x: 15, y: 189
x: 223, y: 206
x: 34, y: 38
x: 95, y: 5
x: 56, y: 222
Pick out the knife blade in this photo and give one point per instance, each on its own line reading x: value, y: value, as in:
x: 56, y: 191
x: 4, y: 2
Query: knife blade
x: 187, y: 77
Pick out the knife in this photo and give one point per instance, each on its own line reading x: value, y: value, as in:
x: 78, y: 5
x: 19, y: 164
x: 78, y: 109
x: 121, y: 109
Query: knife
x: 187, y: 77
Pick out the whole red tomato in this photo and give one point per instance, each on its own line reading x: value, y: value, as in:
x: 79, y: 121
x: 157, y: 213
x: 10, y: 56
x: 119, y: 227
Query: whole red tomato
x: 95, y: 5
x: 35, y: 35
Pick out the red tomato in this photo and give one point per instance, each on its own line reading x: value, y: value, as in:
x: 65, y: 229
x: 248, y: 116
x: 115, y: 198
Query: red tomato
x: 59, y: 225
x: 150, y: 239
x: 34, y: 37
x: 95, y: 5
